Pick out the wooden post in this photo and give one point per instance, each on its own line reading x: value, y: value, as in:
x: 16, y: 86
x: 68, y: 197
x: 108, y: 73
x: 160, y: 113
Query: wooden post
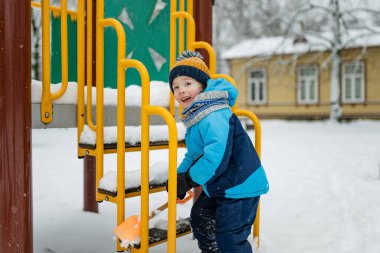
x: 16, y: 218
x: 89, y: 191
x: 89, y: 162
x: 203, y: 24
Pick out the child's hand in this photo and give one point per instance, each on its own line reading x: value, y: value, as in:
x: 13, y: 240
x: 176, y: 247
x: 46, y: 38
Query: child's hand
x: 184, y: 183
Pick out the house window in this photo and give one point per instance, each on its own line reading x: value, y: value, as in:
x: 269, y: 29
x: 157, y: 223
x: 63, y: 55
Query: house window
x: 307, y: 89
x: 257, y: 86
x: 353, y: 82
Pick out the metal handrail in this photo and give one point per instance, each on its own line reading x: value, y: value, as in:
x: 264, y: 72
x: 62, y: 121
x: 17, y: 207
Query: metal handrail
x: 80, y: 72
x: 146, y: 111
x: 90, y: 123
x: 47, y: 96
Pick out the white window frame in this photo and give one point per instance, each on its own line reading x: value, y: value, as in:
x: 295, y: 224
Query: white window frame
x: 263, y: 80
x: 352, y: 99
x: 308, y: 80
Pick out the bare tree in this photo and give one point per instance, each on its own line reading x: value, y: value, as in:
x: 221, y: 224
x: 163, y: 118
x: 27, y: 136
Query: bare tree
x: 237, y: 20
x: 337, y: 34
x: 36, y: 43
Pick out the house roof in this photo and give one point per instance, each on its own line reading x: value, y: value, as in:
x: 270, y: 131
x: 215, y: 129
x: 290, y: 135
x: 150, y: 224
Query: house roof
x: 308, y: 43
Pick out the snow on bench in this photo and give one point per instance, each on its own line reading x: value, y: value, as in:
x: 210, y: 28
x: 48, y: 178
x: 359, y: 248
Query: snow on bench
x: 158, y: 174
x: 132, y: 134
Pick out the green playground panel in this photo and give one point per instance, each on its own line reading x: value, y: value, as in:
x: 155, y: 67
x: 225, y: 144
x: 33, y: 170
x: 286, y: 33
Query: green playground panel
x: 147, y: 39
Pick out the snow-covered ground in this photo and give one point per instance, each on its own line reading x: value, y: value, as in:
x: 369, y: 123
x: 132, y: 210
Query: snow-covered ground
x: 324, y: 196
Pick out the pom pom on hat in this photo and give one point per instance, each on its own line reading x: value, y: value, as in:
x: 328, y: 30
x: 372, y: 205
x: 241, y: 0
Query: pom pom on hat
x: 190, y: 64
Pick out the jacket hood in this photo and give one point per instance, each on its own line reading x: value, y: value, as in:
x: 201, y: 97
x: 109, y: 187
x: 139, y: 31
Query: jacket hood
x: 222, y: 84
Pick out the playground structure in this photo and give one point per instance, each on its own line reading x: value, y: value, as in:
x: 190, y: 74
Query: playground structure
x: 182, y: 36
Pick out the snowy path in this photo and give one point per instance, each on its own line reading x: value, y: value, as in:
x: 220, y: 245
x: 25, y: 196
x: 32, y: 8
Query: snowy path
x: 324, y: 194
x: 325, y: 187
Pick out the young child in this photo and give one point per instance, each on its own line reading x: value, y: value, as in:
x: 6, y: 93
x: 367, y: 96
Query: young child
x: 220, y: 157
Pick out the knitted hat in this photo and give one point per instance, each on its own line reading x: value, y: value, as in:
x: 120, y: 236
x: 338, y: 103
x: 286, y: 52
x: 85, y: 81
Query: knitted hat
x: 190, y: 64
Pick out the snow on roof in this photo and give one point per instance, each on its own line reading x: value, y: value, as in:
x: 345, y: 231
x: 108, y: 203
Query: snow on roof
x: 285, y: 45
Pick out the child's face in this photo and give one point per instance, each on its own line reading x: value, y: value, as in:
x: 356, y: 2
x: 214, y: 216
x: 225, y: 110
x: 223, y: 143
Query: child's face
x: 185, y: 90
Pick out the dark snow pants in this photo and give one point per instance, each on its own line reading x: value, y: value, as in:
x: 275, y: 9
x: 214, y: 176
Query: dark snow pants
x: 222, y: 225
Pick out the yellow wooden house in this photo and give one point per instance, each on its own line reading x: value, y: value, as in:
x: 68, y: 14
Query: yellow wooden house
x: 289, y: 78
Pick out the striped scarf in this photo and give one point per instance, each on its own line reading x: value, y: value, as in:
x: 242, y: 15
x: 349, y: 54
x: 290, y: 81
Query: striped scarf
x: 204, y: 104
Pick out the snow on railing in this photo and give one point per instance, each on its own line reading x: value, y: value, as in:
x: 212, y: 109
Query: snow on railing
x: 133, y: 136
x: 159, y: 96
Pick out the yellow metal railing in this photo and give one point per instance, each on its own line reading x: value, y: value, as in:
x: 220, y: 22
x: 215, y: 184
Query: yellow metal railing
x: 84, y: 113
x: 80, y: 72
x: 47, y: 96
x: 192, y: 45
x: 56, y: 10
x: 257, y: 126
x: 146, y: 111
x: 90, y: 123
x: 99, y: 92
x: 121, y: 49
x: 83, y: 117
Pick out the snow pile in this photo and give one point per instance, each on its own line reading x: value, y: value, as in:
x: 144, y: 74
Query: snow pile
x: 132, y: 134
x: 70, y: 96
x: 163, y: 224
x: 158, y: 174
x: 126, y: 243
x: 159, y: 94
x: 324, y: 195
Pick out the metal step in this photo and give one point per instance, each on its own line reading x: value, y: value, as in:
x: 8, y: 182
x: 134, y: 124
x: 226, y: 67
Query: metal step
x: 131, y: 190
x: 158, y: 236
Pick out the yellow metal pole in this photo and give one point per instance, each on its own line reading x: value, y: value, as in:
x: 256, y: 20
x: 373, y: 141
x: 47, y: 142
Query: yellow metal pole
x: 121, y: 46
x: 47, y: 97
x: 173, y: 49
x: 80, y: 72
x: 190, y: 26
x: 211, y: 52
x: 172, y: 198
x: 64, y: 52
x: 190, y: 7
x: 99, y: 94
x: 256, y: 124
x: 145, y: 100
x: 90, y: 123
x: 120, y: 122
x: 46, y: 101
x: 181, y: 29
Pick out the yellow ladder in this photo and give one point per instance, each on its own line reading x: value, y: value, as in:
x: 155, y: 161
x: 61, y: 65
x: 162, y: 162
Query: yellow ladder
x: 146, y: 110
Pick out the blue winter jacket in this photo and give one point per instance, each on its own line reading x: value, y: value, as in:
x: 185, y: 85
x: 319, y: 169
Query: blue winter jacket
x: 220, y: 154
